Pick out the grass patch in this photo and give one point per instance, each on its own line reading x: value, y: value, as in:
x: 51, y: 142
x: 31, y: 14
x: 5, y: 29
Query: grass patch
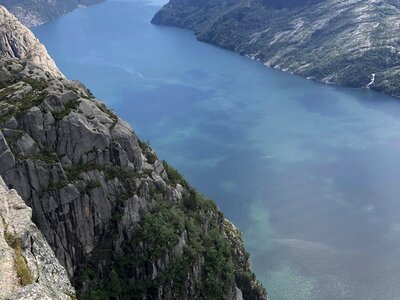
x: 30, y: 100
x: 57, y: 185
x: 45, y: 154
x: 21, y: 266
x: 73, y: 171
x: 68, y: 107
x: 14, y: 138
x: 35, y: 84
x: 5, y: 92
x: 174, y: 176
x: 109, y: 112
x: 90, y: 185
x: 148, y: 152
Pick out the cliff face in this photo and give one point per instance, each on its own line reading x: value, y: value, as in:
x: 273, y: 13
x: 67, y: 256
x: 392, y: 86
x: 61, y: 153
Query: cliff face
x: 29, y: 268
x: 17, y: 41
x: 123, y: 223
x: 36, y: 12
x: 353, y: 43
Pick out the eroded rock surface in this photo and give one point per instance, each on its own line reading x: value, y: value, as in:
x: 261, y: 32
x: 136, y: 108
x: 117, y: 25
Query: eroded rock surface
x: 29, y: 268
x: 17, y: 41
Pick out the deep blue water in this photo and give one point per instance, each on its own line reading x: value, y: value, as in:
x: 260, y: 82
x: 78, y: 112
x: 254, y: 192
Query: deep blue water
x: 309, y: 172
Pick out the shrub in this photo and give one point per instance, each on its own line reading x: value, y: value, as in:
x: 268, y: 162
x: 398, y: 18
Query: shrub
x: 68, y: 107
x: 174, y: 176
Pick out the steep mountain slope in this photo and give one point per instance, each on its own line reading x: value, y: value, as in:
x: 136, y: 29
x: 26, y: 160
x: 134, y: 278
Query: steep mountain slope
x: 124, y: 223
x: 36, y: 12
x: 354, y: 43
x: 19, y: 42
x: 29, y: 269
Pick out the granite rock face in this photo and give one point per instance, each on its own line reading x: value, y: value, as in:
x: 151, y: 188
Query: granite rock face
x: 29, y: 268
x: 35, y: 12
x: 122, y: 222
x: 353, y: 43
x: 17, y: 41
x: 104, y: 200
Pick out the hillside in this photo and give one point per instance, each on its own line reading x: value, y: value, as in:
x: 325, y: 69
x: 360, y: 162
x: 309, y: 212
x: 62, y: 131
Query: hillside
x: 123, y: 223
x: 36, y: 12
x: 352, y: 43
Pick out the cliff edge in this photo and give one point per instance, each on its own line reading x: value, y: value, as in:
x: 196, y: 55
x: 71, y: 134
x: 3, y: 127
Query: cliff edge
x: 123, y: 223
x: 29, y: 268
x: 17, y: 41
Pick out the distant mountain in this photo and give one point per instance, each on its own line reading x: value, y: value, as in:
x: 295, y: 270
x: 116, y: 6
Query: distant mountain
x: 353, y: 43
x: 36, y: 12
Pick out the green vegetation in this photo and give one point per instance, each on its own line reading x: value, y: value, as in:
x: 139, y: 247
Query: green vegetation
x: 57, y: 185
x: 173, y: 238
x: 36, y: 84
x: 20, y: 107
x: 148, y: 152
x: 7, y: 115
x: 14, y: 138
x: 109, y: 112
x: 90, y: 185
x: 5, y: 92
x: 73, y: 171
x: 21, y: 266
x: 68, y: 107
x: 30, y: 100
x: 156, y: 237
x: 45, y: 155
x: 244, y: 280
x: 174, y: 176
x: 159, y: 232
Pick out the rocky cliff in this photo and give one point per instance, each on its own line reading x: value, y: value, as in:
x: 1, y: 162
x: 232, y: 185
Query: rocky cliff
x: 123, y: 223
x: 17, y: 41
x: 353, y: 43
x: 36, y: 12
x: 29, y: 268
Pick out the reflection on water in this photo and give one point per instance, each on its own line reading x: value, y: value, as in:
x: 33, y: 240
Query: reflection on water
x: 309, y: 172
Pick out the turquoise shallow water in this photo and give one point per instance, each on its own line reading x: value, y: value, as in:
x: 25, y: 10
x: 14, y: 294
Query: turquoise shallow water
x: 309, y: 172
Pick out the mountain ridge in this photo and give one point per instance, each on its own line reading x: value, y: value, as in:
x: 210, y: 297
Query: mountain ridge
x: 36, y: 12
x: 350, y: 43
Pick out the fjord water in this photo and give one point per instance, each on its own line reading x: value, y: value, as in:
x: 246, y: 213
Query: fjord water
x: 310, y: 173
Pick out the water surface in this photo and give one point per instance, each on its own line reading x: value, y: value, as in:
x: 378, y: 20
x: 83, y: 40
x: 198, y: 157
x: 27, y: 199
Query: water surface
x: 310, y: 173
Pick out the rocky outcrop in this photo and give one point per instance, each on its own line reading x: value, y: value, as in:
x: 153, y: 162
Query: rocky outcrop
x: 17, y: 41
x: 35, y: 12
x: 29, y: 268
x: 105, y: 201
x: 353, y: 43
x: 123, y: 223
